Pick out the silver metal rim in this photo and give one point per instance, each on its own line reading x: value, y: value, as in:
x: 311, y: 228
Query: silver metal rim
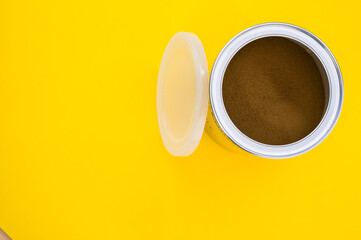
x: 334, y: 79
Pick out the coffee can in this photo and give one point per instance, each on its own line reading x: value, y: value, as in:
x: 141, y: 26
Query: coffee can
x: 189, y: 102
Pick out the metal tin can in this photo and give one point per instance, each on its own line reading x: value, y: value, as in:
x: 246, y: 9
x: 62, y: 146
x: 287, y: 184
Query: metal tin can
x: 220, y: 127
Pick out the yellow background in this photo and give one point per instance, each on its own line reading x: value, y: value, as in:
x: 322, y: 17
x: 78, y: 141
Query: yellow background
x: 80, y: 152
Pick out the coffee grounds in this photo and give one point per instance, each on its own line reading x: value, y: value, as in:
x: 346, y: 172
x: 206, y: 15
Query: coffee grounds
x: 273, y: 91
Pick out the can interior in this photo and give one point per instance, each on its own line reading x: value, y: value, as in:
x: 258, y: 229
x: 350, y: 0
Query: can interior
x: 267, y: 127
x: 322, y: 72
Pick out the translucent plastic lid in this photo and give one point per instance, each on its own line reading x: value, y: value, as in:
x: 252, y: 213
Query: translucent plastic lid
x: 182, y: 94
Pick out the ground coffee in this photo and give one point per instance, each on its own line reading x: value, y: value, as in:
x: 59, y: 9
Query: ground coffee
x: 273, y: 91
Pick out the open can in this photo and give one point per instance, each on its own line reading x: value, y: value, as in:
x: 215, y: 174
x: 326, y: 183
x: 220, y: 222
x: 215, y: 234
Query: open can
x: 186, y: 94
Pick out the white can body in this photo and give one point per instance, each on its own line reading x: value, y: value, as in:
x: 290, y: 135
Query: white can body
x: 332, y: 81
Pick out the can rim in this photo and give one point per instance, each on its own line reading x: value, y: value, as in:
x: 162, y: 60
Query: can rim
x: 334, y: 77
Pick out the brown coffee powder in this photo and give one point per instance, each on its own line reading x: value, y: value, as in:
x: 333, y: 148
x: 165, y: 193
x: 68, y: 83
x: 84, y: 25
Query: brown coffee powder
x: 273, y: 91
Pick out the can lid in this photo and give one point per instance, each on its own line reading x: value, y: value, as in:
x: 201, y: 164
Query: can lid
x: 182, y: 94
